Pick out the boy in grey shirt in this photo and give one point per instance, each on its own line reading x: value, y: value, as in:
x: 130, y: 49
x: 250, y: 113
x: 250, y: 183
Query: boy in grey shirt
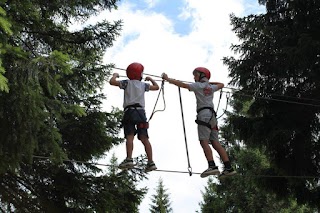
x: 206, y: 119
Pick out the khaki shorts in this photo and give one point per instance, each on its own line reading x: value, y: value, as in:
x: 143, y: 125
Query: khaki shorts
x: 204, y: 133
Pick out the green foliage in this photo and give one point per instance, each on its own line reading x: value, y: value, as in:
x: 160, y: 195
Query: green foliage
x: 5, y: 26
x: 72, y: 187
x: 160, y: 201
x: 277, y: 108
x: 243, y: 193
x: 3, y: 80
x: 51, y: 121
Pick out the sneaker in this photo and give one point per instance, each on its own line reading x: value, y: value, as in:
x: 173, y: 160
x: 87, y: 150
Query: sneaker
x: 127, y: 164
x: 150, y: 167
x: 210, y: 171
x: 227, y: 172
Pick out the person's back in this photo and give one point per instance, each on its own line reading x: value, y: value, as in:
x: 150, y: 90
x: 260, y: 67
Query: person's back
x: 134, y: 92
x: 134, y: 119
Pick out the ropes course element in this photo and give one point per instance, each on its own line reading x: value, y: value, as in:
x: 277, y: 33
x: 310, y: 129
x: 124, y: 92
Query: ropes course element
x: 143, y: 72
x: 241, y: 92
x: 184, y: 131
x: 72, y: 161
x: 279, y: 100
x: 219, y: 100
x: 185, y: 172
x: 164, y: 101
x: 275, y: 94
x: 161, y: 91
x: 227, y: 103
x: 142, y: 79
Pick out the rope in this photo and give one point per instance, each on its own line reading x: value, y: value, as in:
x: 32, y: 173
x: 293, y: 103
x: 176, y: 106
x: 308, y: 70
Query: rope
x: 124, y: 76
x: 184, y: 131
x: 279, y: 100
x: 198, y: 173
x: 225, y: 109
x: 143, y: 72
x: 274, y: 94
x: 219, y: 101
x: 259, y: 97
x: 164, y: 101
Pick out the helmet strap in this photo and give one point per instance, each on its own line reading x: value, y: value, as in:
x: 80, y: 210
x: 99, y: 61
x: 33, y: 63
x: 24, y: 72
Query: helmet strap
x: 201, y: 76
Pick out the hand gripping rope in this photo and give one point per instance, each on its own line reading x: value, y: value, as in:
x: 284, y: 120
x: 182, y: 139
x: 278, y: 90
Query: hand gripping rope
x: 184, y: 131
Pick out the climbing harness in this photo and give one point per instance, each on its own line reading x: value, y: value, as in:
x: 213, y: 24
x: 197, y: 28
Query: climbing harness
x: 207, y: 124
x: 127, y: 118
x: 203, y: 123
x: 144, y: 125
x: 184, y: 131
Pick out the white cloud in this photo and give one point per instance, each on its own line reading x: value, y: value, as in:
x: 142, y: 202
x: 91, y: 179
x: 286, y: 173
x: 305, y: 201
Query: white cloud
x: 152, y: 3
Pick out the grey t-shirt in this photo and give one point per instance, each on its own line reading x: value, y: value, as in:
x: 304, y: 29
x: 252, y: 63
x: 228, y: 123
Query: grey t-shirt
x: 204, y: 93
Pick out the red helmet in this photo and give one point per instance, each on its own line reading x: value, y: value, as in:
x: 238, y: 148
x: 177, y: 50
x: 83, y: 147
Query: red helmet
x: 204, y: 72
x: 134, y: 71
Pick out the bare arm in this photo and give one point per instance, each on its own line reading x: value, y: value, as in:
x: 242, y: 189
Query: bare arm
x: 175, y: 82
x: 154, y: 85
x: 220, y: 85
x: 113, y: 80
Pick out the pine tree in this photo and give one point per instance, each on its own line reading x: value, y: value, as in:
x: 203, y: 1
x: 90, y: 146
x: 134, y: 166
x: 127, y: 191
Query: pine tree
x: 241, y: 193
x: 160, y: 201
x: 5, y: 29
x: 277, y: 106
x: 51, y: 122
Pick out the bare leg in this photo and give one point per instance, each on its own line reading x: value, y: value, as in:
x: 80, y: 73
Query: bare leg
x: 221, y: 151
x: 147, y: 147
x: 207, y: 150
x: 129, y: 145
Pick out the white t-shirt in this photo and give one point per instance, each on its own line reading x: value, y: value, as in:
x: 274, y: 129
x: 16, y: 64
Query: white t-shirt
x: 134, y: 92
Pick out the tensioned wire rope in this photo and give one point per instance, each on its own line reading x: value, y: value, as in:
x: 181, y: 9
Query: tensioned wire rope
x: 185, y: 172
x: 228, y: 96
x: 228, y: 93
x: 162, y: 91
x: 184, y: 132
x: 243, y: 94
x: 183, y: 124
x: 240, y: 92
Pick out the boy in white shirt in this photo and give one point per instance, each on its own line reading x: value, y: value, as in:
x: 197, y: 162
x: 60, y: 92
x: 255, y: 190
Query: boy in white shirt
x: 134, y: 119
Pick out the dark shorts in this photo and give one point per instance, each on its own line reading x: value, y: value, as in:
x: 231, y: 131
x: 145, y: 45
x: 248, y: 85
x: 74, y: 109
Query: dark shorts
x: 135, y: 122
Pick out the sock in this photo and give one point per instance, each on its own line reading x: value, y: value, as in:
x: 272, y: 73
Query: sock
x: 211, y: 163
x: 227, y: 165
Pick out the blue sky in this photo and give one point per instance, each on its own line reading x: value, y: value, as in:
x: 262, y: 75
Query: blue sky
x: 172, y: 10
x: 174, y: 36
